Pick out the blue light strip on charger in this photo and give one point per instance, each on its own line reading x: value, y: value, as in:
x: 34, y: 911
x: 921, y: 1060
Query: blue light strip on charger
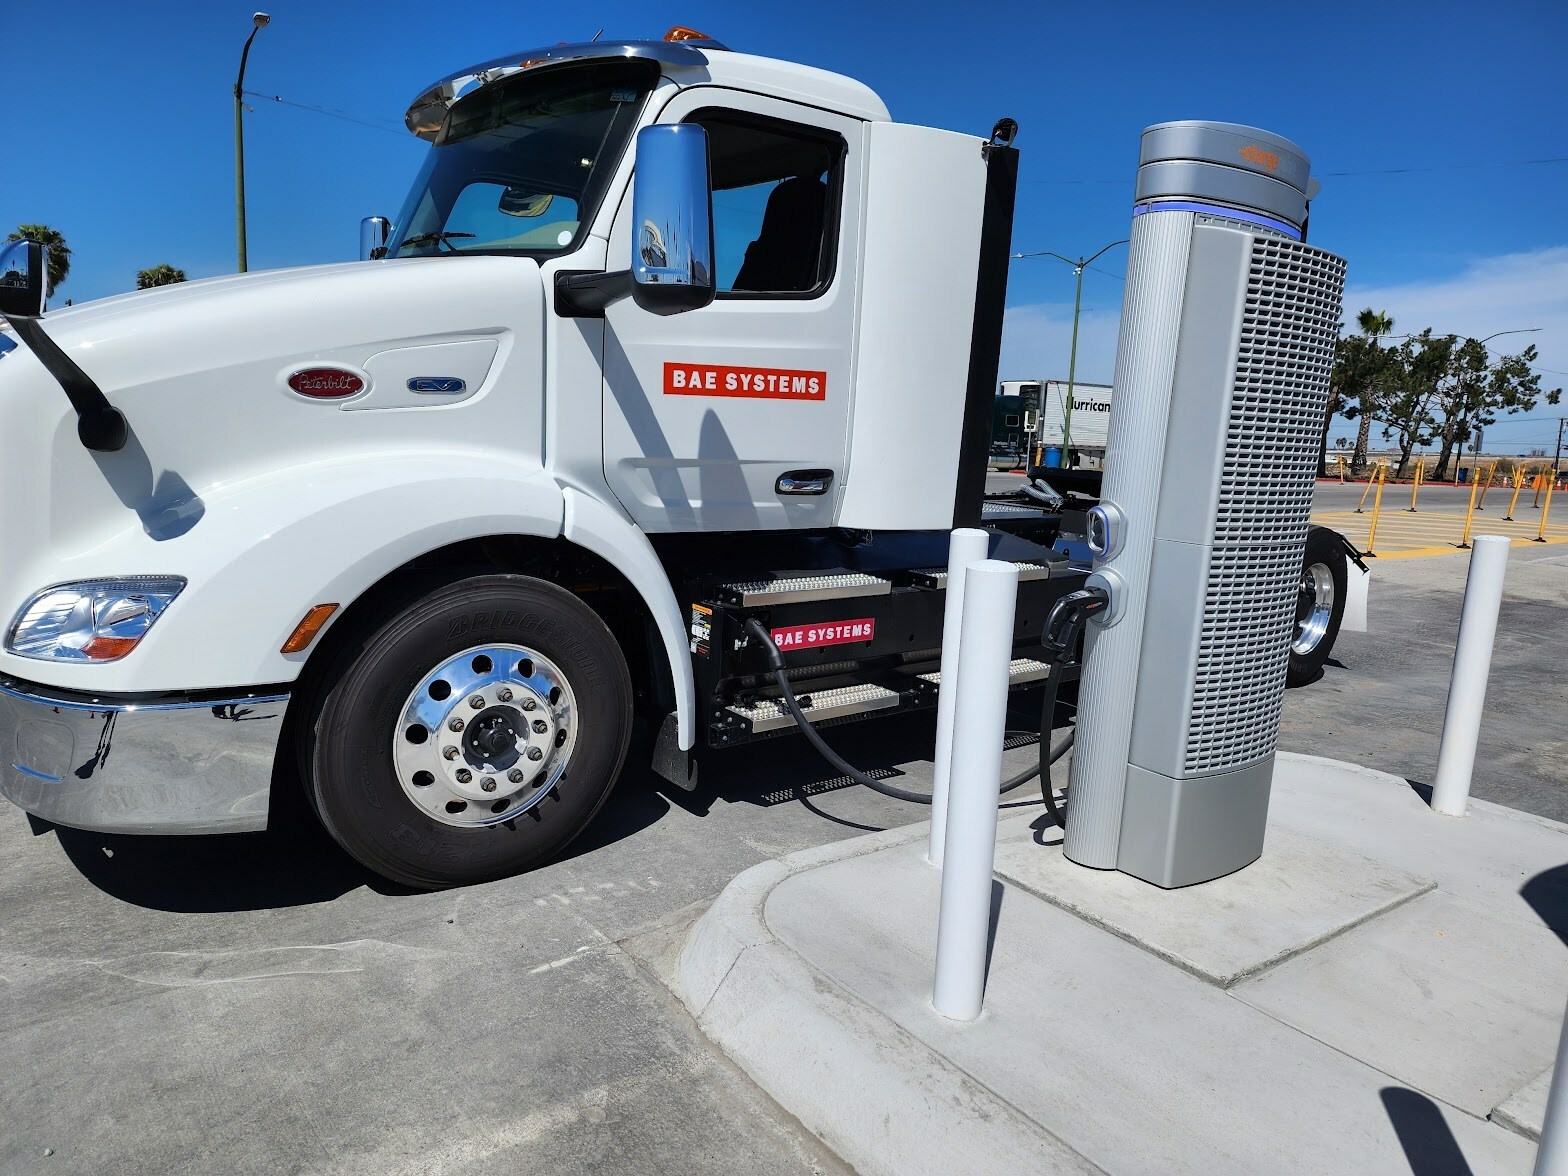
x: 1255, y: 218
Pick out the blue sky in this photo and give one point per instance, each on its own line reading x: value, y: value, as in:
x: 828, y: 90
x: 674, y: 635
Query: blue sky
x: 128, y: 148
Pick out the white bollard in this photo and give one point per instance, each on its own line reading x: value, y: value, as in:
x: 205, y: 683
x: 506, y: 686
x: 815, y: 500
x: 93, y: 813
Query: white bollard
x: 1472, y: 665
x: 966, y: 546
x: 979, y: 728
x: 1551, y: 1157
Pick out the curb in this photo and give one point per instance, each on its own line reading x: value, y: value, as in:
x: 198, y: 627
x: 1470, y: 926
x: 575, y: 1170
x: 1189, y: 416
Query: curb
x: 884, y: 1101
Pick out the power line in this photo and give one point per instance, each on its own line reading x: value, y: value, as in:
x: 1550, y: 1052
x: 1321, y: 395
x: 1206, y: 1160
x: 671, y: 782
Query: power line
x: 375, y: 126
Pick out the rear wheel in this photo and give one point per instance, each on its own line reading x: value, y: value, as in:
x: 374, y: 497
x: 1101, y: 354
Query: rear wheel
x: 474, y: 734
x: 1320, y: 605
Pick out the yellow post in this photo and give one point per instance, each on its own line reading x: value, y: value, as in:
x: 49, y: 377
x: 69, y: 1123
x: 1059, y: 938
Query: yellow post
x: 1415, y: 486
x: 1485, y: 486
x: 1371, y: 478
x: 1377, y: 506
x: 1342, y: 469
x: 1514, y: 501
x: 1540, y: 484
x: 1540, y: 534
x: 1464, y: 541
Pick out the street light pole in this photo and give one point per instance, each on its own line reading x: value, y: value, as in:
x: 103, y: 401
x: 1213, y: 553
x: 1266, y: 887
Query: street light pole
x: 1079, y: 266
x: 260, y: 21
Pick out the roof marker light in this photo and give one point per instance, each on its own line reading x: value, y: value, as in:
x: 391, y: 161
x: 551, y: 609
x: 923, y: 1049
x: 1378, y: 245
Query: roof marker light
x: 682, y: 33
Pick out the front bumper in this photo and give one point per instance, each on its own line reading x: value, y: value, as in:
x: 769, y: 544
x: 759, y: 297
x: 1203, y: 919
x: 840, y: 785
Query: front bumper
x: 182, y: 765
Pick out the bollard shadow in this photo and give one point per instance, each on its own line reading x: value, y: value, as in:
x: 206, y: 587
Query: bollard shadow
x: 1424, y: 791
x: 993, y: 922
x: 1429, y: 1145
x: 1547, y: 894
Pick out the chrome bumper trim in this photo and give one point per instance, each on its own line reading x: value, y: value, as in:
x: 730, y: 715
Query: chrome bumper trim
x: 159, y: 766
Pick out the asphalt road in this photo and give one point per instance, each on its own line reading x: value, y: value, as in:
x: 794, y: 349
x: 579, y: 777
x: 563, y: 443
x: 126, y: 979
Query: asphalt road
x: 258, y: 1003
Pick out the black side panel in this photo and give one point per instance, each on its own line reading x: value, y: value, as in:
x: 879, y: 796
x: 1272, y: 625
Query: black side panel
x: 996, y: 242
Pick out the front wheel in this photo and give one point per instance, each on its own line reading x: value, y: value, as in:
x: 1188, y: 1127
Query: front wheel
x: 474, y: 734
x: 1320, y: 606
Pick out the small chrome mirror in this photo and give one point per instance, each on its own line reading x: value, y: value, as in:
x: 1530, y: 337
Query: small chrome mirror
x: 374, y: 232
x: 24, y: 285
x: 672, y: 220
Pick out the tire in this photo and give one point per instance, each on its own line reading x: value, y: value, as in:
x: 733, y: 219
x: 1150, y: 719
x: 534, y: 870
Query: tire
x: 471, y: 680
x: 1320, y: 606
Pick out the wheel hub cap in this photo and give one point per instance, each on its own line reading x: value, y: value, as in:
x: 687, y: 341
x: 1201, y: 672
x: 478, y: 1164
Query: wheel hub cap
x: 485, y: 735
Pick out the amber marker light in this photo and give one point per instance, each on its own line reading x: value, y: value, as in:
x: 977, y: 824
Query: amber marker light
x: 682, y: 33
x: 305, y: 632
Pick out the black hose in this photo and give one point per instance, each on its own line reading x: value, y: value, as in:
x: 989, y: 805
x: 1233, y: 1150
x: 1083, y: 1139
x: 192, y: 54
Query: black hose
x: 792, y: 704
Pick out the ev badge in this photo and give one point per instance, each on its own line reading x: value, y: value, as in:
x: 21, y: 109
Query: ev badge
x: 437, y: 385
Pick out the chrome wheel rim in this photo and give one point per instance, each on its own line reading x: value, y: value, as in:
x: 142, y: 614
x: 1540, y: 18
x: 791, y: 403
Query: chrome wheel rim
x: 1314, y: 608
x: 485, y: 735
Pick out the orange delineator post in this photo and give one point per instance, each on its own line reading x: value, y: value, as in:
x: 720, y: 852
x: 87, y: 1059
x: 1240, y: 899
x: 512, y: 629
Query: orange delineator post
x: 1377, y: 506
x: 1540, y: 534
x: 1415, y: 486
x: 1514, y: 501
x: 1464, y: 541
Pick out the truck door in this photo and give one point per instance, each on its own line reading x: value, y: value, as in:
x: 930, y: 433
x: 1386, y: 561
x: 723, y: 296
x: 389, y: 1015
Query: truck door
x: 735, y: 417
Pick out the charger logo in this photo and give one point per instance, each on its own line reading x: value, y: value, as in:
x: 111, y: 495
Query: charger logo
x: 708, y: 379
x: 831, y: 633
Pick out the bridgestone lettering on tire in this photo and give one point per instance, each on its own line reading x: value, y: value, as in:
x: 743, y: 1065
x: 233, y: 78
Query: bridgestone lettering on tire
x: 474, y: 734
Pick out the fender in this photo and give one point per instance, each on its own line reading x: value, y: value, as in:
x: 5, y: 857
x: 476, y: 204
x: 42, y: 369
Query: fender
x: 266, y: 549
x: 609, y: 533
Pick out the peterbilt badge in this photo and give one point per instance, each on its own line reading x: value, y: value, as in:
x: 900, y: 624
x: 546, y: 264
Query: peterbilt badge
x: 437, y: 385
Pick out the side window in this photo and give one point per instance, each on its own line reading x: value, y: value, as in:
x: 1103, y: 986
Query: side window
x: 776, y: 189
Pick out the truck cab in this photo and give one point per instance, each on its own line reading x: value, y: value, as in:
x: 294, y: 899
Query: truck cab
x: 664, y: 339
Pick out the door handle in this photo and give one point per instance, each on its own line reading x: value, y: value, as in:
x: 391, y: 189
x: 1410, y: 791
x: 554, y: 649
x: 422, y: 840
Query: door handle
x: 804, y: 482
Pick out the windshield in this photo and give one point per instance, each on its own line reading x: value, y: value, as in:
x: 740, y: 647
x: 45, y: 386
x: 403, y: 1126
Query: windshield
x: 521, y: 165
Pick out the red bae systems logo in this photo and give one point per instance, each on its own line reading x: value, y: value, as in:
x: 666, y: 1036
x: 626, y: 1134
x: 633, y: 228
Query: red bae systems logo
x: 326, y: 383
x: 1258, y: 157
x: 708, y: 379
x: 829, y: 633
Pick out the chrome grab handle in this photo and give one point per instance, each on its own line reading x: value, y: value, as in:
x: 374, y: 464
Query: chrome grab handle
x: 804, y: 482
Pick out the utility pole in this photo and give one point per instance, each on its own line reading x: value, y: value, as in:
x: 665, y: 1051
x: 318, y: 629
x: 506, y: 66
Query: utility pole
x: 259, y: 21
x: 1072, y: 359
x: 1557, y: 456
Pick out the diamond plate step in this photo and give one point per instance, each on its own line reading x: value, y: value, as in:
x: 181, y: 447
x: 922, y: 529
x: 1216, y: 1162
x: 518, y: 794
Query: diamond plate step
x: 937, y: 577
x: 769, y: 714
x: 1019, y: 671
x: 830, y: 585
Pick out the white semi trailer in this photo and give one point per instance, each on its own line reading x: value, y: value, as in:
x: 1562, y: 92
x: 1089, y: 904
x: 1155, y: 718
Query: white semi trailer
x: 423, y: 535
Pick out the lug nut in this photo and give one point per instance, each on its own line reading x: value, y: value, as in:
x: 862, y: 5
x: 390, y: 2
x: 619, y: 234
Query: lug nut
x: 536, y: 753
x: 455, y: 725
x: 477, y: 702
x: 528, y: 704
x: 515, y: 776
x: 449, y: 753
x: 505, y: 695
x: 487, y: 783
x: 540, y: 726
x: 464, y: 775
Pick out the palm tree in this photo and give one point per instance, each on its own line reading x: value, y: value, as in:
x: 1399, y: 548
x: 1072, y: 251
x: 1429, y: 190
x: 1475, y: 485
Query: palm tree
x: 59, y: 251
x: 1372, y: 324
x: 158, y: 275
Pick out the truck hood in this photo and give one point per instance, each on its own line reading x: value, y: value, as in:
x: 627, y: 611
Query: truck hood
x: 201, y: 372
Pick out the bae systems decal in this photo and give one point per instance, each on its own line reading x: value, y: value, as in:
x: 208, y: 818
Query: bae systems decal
x: 832, y: 633
x: 707, y: 379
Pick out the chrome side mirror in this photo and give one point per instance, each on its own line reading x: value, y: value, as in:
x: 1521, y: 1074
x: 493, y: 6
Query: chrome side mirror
x: 672, y: 220
x: 374, y: 233
x: 24, y: 284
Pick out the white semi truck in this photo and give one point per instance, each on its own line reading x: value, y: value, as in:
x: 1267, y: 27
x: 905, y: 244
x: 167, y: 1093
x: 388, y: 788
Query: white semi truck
x: 639, y: 373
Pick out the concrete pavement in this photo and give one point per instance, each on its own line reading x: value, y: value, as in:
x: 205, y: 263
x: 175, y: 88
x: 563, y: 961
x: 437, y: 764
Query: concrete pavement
x: 1380, y: 992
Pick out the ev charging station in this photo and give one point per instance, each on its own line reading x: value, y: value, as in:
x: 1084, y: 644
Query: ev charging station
x: 1222, y: 373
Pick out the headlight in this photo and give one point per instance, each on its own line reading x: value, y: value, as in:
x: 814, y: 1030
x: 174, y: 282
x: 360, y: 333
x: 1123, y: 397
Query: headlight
x: 91, y: 620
